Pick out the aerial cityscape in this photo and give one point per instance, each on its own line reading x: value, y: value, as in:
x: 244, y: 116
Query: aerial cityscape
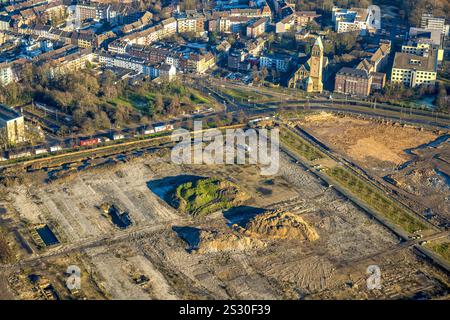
x: 224, y: 150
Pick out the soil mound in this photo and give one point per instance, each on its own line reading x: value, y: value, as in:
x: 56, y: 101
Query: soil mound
x: 216, y: 241
x: 280, y: 225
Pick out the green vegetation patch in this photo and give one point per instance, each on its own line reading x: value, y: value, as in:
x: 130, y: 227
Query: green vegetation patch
x: 244, y: 95
x: 376, y: 200
x: 299, y: 146
x: 442, y: 249
x: 208, y: 195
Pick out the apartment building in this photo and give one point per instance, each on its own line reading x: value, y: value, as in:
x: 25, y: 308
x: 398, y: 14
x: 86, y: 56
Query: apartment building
x: 354, y: 19
x: 77, y: 61
x: 160, y: 70
x: 280, y: 63
x: 67, y: 59
x: 118, y: 46
x: 257, y: 28
x: 12, y: 124
x: 5, y: 23
x: 190, y: 22
x: 414, y: 70
x: 95, y: 12
x: 150, y: 53
x: 237, y: 60
x: 295, y: 21
x: 121, y: 61
x: 198, y: 63
x: 160, y: 31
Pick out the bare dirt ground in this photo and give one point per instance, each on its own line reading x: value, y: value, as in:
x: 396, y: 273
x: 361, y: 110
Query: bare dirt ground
x: 151, y: 258
x: 374, y: 145
x: 427, y: 178
x: 413, y: 162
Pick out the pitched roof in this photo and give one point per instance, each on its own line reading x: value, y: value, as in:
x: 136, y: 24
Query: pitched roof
x: 318, y: 42
x: 358, y: 73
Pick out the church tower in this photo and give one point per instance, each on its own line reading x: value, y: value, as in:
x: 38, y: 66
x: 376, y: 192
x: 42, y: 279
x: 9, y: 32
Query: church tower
x: 316, y: 65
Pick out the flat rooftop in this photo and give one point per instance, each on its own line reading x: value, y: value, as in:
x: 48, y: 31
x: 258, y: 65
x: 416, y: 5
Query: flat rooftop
x: 7, y: 114
x: 411, y: 61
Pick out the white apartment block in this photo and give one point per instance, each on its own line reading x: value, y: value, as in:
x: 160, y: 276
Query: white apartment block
x: 161, y: 70
x: 354, y: 19
x: 122, y: 61
x: 414, y: 70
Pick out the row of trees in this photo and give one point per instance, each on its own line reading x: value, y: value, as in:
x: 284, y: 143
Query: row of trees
x: 394, y: 92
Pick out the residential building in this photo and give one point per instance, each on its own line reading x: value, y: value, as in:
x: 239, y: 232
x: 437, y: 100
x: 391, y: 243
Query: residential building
x: 413, y: 70
x: 12, y: 124
x: 95, y: 12
x: 277, y: 62
x: 121, y: 61
x: 354, y: 19
x: 255, y: 46
x: 257, y: 28
x: 198, y: 63
x: 163, y: 71
x: 190, y: 21
x: 5, y: 23
x: 237, y: 60
x: 295, y: 21
x: 287, y: 24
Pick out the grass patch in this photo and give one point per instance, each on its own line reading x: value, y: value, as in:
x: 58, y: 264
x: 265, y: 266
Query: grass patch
x: 243, y: 95
x: 121, y: 101
x: 442, y: 249
x: 299, y: 146
x: 375, y: 199
x: 208, y: 195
